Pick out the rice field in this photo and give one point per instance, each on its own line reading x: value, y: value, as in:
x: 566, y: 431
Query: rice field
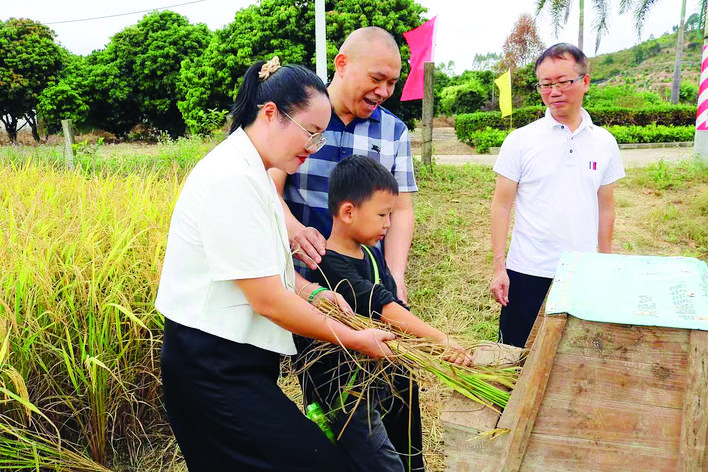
x: 80, y: 261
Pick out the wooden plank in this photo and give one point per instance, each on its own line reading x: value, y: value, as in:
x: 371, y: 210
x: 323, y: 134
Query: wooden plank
x: 536, y: 325
x: 471, y: 454
x: 619, y: 422
x: 626, y: 343
x: 561, y: 454
x: 512, y: 407
x: 530, y: 388
x: 656, y: 382
x: 467, y: 416
x: 694, y: 424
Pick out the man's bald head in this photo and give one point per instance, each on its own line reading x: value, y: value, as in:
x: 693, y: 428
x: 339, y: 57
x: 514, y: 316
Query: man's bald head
x: 365, y: 73
x: 362, y: 40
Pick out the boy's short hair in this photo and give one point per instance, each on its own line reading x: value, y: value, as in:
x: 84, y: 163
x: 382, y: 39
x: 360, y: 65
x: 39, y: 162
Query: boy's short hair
x: 355, y: 179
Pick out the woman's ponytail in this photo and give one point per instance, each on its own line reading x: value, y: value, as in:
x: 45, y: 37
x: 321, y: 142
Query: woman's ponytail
x: 289, y: 87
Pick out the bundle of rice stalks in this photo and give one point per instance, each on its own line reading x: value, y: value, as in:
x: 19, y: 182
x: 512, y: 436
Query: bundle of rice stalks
x: 489, y: 383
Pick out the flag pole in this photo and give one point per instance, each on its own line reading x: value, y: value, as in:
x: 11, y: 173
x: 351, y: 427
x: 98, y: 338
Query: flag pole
x: 511, y: 111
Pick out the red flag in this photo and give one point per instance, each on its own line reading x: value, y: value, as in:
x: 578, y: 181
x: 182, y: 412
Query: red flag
x: 420, y: 40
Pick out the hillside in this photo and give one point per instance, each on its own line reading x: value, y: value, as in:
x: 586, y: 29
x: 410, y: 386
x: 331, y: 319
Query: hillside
x: 650, y: 64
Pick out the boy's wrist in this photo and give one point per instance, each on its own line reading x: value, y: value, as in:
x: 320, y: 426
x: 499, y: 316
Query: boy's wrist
x: 316, y: 291
x: 306, y: 291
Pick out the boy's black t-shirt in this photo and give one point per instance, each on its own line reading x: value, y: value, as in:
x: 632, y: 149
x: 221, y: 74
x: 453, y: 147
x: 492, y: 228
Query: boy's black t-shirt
x: 353, y: 278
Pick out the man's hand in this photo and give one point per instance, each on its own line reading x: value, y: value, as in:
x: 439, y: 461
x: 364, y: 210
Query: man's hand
x: 500, y: 287
x: 401, y: 288
x: 309, y: 246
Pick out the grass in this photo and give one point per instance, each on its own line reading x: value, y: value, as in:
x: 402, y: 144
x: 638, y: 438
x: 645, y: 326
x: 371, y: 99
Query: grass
x: 80, y: 262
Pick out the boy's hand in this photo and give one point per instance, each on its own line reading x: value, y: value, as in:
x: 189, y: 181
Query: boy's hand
x: 309, y: 246
x: 372, y: 342
x: 337, y: 299
x: 456, y: 354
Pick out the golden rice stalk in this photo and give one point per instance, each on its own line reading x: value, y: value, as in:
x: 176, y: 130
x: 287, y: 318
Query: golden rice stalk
x: 488, y: 384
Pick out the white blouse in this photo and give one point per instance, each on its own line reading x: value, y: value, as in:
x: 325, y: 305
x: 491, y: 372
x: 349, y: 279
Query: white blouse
x: 228, y: 224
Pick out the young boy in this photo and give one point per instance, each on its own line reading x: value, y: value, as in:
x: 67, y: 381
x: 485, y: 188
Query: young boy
x: 362, y: 195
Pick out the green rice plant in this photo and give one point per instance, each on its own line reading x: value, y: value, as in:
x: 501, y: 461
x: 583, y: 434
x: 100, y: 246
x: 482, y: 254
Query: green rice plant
x: 78, y: 275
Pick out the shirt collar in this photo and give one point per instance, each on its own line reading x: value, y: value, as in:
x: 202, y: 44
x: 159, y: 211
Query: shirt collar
x: 336, y: 122
x: 248, y: 152
x: 585, y: 121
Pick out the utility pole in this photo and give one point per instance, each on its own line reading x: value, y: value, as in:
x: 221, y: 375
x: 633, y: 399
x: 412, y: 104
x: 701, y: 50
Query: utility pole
x: 700, y: 141
x: 320, y: 41
x: 427, y: 118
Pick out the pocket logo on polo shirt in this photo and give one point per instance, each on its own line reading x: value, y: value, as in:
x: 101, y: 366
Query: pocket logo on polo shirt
x: 592, y: 165
x: 375, y: 148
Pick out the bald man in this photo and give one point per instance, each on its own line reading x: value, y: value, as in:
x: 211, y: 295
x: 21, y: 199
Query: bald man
x: 367, y: 69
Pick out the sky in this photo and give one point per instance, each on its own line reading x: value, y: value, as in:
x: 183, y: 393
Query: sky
x: 464, y: 27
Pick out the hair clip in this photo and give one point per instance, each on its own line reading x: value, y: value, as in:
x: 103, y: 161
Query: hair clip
x: 269, y: 68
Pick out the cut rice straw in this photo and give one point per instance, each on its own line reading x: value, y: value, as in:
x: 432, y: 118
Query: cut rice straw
x: 488, y: 384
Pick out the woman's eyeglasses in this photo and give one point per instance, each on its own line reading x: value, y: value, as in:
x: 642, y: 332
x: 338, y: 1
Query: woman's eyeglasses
x: 316, y: 140
x: 561, y: 85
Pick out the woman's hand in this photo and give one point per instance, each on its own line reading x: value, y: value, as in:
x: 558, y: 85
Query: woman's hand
x: 372, y: 342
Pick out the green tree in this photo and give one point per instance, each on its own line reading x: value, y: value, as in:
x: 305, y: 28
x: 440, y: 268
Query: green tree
x: 466, y: 97
x: 286, y: 29
x: 60, y: 102
x: 442, y: 77
x: 136, y: 78
x: 523, y: 84
x: 209, y: 81
x: 29, y: 62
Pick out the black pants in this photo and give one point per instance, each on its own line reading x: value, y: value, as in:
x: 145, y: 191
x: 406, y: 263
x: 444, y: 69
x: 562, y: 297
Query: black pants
x: 228, y: 414
x: 402, y: 422
x: 526, y: 295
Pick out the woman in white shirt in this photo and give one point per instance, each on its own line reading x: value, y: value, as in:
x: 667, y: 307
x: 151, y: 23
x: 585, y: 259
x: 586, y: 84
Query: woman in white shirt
x: 231, y: 298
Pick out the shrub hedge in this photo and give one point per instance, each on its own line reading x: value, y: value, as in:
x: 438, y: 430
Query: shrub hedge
x: 492, y: 137
x: 668, y: 115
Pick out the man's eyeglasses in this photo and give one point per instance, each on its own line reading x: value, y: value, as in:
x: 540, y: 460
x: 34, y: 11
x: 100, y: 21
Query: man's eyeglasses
x: 561, y: 85
x: 316, y: 140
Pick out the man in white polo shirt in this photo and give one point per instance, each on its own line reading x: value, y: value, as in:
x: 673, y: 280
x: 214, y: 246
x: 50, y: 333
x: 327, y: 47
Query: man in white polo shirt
x: 561, y: 170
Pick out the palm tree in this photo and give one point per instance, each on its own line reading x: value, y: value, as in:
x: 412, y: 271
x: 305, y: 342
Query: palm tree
x: 641, y: 9
x: 560, y: 11
x: 675, y: 86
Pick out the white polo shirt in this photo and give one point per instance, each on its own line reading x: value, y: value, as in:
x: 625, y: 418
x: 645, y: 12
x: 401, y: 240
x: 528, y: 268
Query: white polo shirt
x: 227, y: 225
x: 558, y: 173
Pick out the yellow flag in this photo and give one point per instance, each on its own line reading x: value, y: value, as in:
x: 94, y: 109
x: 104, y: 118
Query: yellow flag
x: 504, y: 84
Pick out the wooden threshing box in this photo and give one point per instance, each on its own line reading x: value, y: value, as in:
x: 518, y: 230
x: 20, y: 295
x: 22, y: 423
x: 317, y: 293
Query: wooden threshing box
x: 593, y: 397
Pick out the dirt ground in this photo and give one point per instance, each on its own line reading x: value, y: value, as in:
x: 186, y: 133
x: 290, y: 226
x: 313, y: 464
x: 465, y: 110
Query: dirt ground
x: 448, y: 150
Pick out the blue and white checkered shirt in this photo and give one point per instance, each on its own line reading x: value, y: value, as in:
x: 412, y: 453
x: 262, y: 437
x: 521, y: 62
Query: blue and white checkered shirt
x: 382, y: 136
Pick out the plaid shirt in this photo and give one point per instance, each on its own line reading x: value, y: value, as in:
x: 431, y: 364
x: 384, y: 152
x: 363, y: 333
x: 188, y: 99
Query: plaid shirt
x: 382, y: 136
